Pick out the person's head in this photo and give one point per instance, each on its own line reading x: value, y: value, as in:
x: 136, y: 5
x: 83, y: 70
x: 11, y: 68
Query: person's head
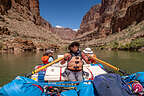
x: 74, y: 47
x: 88, y: 51
x: 48, y: 53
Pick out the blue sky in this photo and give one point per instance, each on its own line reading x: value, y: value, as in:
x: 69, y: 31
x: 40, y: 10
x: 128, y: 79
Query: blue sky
x: 65, y: 13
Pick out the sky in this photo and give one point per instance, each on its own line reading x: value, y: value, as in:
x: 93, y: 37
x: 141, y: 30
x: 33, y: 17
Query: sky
x: 65, y: 13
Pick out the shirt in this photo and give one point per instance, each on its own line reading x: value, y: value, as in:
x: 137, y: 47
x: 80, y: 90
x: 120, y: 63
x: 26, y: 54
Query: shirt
x: 50, y: 59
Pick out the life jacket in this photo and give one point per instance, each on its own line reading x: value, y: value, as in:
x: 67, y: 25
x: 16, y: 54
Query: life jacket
x: 75, y: 63
x: 45, y: 59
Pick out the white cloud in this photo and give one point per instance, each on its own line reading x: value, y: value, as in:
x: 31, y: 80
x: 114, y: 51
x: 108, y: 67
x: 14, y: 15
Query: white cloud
x: 57, y: 26
x: 75, y: 30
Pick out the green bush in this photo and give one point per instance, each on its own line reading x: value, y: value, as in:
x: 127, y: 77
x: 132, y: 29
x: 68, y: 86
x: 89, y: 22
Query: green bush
x: 137, y: 43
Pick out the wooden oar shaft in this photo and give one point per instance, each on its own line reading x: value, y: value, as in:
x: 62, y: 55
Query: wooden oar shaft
x: 105, y: 63
x: 109, y: 65
x: 45, y: 66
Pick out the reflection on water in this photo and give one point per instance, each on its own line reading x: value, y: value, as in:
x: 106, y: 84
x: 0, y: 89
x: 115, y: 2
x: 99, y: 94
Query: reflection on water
x: 12, y: 65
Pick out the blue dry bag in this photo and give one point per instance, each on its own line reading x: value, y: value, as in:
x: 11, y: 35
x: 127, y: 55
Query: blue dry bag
x: 111, y: 85
x: 22, y: 86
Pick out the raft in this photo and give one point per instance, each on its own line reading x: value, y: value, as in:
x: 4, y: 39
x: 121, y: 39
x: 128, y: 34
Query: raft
x: 51, y: 82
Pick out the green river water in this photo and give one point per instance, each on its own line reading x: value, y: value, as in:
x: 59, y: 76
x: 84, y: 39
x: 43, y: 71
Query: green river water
x: 12, y: 65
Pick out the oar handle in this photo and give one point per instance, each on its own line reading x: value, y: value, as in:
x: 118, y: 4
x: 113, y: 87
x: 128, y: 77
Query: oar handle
x: 43, y: 67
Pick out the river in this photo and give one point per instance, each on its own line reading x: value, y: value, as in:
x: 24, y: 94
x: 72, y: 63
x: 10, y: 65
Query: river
x: 12, y: 65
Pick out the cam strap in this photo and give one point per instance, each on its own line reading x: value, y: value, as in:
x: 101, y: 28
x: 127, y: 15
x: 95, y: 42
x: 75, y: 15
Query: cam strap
x: 60, y: 73
x: 92, y: 76
x: 39, y: 87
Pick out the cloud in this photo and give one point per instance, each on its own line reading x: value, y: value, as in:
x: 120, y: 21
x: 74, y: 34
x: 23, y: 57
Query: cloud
x: 57, y: 26
x: 75, y: 30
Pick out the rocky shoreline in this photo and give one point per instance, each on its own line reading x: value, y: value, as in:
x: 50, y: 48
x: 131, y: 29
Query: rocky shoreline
x: 19, y: 45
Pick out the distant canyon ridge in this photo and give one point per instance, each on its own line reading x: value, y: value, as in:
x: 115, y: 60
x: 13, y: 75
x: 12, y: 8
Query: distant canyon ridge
x: 113, y: 24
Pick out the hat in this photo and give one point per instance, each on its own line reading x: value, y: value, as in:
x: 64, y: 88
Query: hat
x: 88, y: 50
x: 49, y: 51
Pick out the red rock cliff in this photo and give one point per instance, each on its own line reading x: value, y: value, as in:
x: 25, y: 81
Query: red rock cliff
x: 90, y: 20
x: 28, y: 9
x: 110, y: 17
x: 22, y: 28
x: 64, y: 33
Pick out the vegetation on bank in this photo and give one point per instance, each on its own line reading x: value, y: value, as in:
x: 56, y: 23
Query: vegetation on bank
x: 132, y: 45
x: 131, y: 38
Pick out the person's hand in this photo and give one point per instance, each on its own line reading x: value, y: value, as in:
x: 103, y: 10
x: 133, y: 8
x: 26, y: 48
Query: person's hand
x: 66, y: 55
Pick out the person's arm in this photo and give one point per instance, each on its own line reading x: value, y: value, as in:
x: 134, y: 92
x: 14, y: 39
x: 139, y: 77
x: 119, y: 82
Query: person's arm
x: 92, y: 60
x: 63, y: 61
x: 87, y: 60
x: 66, y: 57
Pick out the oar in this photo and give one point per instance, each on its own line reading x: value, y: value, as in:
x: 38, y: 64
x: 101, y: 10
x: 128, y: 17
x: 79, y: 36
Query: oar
x: 107, y: 64
x: 43, y: 67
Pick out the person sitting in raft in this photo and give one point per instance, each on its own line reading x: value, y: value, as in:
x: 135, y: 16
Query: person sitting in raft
x: 90, y: 52
x: 47, y: 57
x: 74, y: 70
